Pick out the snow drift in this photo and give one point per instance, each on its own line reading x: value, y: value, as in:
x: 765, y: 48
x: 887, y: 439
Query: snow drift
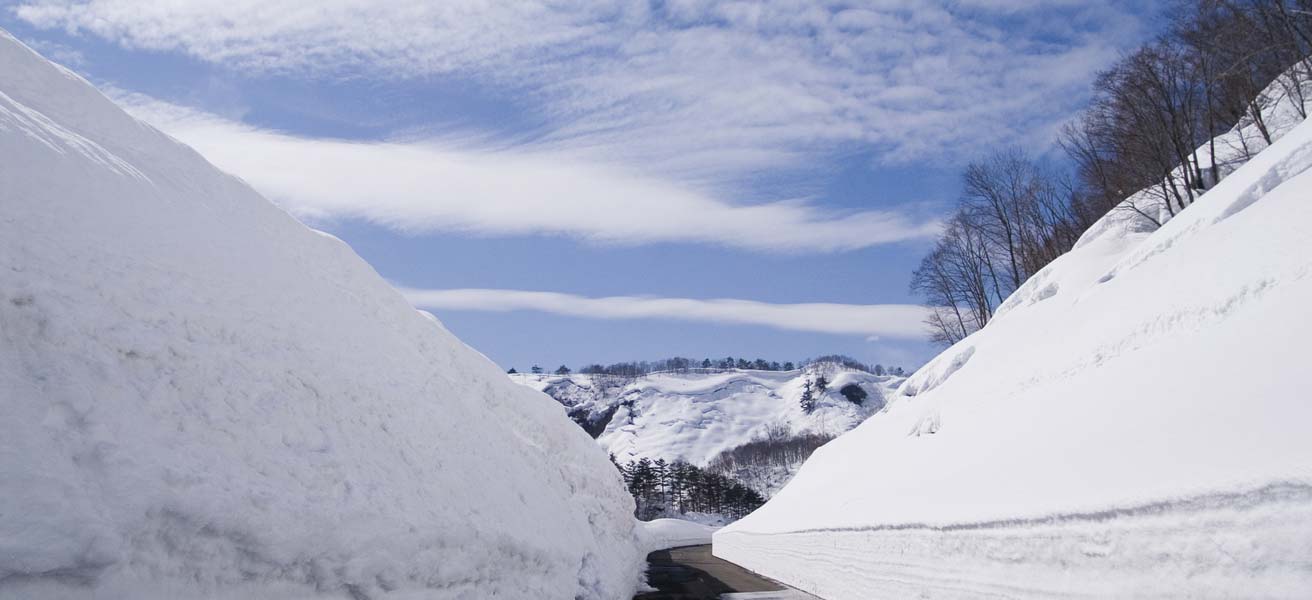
x: 200, y: 397
x: 1134, y: 422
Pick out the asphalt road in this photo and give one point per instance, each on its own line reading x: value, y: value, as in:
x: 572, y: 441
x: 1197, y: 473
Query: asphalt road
x: 691, y: 573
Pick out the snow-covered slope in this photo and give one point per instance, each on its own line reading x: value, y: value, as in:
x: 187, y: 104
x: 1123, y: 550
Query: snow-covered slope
x: 1135, y: 423
x: 694, y: 416
x: 200, y: 397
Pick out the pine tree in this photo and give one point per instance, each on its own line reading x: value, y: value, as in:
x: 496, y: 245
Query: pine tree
x: 854, y: 393
x: 660, y: 469
x: 678, y: 481
x: 660, y: 487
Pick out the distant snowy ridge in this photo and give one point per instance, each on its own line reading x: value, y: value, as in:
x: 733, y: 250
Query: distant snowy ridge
x: 696, y: 415
x: 202, y: 398
x: 1134, y: 423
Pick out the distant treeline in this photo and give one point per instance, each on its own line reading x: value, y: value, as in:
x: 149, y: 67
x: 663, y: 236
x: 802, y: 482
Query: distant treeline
x: 1149, y: 115
x: 769, y: 459
x: 680, y: 364
x: 778, y: 447
x: 661, y: 488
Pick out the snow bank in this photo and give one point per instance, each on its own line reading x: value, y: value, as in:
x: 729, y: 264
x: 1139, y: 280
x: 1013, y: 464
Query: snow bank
x: 660, y: 534
x: 1134, y: 423
x: 200, y: 397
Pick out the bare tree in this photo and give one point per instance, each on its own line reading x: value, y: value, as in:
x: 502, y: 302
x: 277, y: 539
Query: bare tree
x: 1145, y: 144
x: 1014, y: 217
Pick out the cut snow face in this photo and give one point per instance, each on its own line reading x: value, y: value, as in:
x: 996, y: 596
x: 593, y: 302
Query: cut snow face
x: 200, y: 397
x: 659, y: 534
x: 1133, y: 423
x: 695, y: 416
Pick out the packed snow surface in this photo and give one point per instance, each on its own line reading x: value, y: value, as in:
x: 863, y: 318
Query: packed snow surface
x: 695, y: 416
x: 1134, y: 422
x: 200, y: 397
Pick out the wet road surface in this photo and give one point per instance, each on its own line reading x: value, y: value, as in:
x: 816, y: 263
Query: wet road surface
x: 691, y: 573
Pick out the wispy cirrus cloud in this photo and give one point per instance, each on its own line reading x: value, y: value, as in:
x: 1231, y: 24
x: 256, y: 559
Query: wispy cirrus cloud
x: 460, y: 186
x: 698, y: 89
x: 870, y: 321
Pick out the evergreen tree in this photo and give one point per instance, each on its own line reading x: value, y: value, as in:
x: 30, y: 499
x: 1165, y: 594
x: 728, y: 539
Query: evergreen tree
x: 808, y: 398
x: 660, y: 470
x: 854, y: 394
x: 512, y: 371
x: 563, y: 370
x: 678, y: 485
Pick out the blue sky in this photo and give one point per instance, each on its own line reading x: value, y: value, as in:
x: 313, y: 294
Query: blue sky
x: 570, y: 182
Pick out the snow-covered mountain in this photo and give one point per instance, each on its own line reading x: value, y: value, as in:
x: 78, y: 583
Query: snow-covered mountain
x: 1134, y: 422
x: 694, y: 416
x: 201, y: 397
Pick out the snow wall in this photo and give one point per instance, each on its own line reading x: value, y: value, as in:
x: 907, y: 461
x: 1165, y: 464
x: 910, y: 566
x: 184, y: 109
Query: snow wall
x: 202, y: 398
x: 1135, y: 422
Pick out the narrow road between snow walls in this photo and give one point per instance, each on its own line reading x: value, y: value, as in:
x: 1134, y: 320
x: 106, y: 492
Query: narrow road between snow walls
x: 692, y: 573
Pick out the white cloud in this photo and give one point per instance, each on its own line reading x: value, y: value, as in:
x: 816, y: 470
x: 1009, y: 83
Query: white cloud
x: 427, y: 186
x: 902, y: 321
x: 703, y: 90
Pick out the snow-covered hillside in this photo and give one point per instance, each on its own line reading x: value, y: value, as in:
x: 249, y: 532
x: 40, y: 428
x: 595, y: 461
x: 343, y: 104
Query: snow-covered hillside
x: 1134, y: 423
x: 694, y: 416
x: 200, y: 397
